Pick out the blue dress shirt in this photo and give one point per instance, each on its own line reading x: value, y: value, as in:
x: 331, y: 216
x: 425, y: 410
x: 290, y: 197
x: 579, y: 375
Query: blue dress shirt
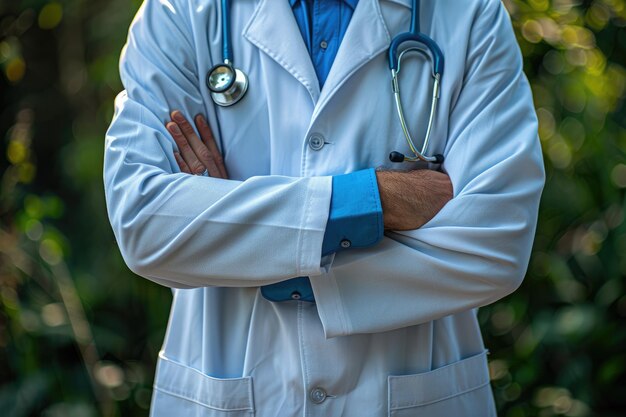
x: 323, y: 24
x: 355, y: 218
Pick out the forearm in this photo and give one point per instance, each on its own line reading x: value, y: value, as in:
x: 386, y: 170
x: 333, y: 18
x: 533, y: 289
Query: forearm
x: 474, y: 252
x: 476, y: 249
x: 187, y: 231
x: 411, y: 198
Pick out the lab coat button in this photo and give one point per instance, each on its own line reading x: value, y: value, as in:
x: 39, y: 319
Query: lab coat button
x: 345, y: 243
x: 318, y: 395
x: 316, y: 142
x: 296, y: 295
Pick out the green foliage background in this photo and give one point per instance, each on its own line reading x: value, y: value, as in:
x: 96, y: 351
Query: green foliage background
x: 79, y: 334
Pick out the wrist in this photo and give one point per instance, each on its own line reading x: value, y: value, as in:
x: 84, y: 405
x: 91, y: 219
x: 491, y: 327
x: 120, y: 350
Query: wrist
x: 383, y: 178
x: 409, y: 199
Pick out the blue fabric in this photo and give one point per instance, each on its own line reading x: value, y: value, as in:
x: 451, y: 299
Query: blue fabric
x: 297, y: 289
x: 356, y: 214
x: 323, y: 21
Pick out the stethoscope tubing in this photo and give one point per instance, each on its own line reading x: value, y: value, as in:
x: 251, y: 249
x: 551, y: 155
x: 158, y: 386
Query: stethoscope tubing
x: 236, y: 88
x: 438, y: 63
x: 227, y: 84
x: 227, y: 52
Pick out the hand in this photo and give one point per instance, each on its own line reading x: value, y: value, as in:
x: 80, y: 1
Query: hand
x: 195, y: 154
x: 411, y: 198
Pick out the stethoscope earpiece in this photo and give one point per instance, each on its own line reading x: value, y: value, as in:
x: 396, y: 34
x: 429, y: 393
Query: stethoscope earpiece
x: 396, y: 156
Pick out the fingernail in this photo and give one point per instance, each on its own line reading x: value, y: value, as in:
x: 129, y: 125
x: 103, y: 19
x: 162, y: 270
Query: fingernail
x: 173, y: 127
x: 178, y: 116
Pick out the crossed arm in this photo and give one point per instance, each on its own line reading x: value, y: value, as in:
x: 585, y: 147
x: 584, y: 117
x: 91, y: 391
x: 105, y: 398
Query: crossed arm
x: 409, y: 198
x: 474, y: 251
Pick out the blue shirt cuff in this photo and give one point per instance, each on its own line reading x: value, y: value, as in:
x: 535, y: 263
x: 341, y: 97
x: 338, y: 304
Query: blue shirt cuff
x: 297, y: 289
x: 356, y: 215
x: 355, y: 221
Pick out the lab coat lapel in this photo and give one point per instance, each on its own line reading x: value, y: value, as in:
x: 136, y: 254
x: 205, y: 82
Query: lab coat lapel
x: 274, y: 30
x: 366, y: 37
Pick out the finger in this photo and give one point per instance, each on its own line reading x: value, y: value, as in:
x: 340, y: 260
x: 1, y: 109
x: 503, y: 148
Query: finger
x: 187, y: 153
x: 199, y: 148
x: 181, y: 163
x: 209, y: 141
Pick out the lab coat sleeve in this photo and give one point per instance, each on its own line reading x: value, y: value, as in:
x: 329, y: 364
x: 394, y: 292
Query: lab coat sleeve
x: 189, y: 231
x: 476, y: 249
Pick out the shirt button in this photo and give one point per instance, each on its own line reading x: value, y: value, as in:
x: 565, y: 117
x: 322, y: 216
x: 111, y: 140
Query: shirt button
x: 318, y: 395
x: 316, y: 142
x: 323, y: 44
x: 346, y: 243
x: 295, y: 295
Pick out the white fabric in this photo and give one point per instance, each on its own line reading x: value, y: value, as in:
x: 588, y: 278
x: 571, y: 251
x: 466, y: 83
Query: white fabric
x: 394, y: 330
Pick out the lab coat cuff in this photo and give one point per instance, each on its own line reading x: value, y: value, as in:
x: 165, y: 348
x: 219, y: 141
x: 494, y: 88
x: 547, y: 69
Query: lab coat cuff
x: 315, y: 217
x: 356, y: 216
x: 330, y: 306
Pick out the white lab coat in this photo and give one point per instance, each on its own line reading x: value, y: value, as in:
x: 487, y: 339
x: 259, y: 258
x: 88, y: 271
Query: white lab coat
x: 394, y: 329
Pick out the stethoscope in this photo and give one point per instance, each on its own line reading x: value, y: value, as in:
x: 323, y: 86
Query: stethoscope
x: 228, y: 84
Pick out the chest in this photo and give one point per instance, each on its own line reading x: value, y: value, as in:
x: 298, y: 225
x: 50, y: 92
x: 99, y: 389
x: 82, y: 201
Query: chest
x: 286, y: 125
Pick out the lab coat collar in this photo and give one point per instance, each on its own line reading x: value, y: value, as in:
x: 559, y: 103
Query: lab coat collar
x: 274, y: 30
x: 366, y: 37
x: 407, y: 3
x: 351, y: 3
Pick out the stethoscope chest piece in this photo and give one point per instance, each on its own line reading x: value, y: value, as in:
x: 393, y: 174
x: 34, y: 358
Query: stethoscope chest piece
x: 227, y: 84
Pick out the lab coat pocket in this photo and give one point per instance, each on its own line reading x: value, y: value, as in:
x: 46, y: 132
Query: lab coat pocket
x: 180, y: 390
x: 460, y: 389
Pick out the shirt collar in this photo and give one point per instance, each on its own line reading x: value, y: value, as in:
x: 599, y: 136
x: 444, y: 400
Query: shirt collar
x: 351, y: 3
